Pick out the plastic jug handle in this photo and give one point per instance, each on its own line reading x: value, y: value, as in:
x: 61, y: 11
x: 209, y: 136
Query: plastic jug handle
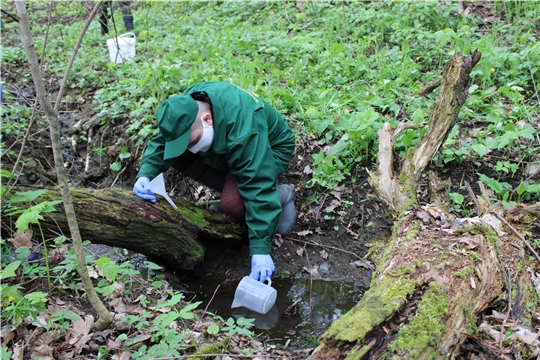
x: 129, y: 33
x: 269, y: 282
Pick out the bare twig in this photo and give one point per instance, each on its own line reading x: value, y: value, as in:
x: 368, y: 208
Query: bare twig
x: 74, y: 52
x: 430, y: 86
x: 207, y: 202
x: 503, y: 326
x: 479, y: 208
x: 118, y: 175
x: 366, y: 264
x: 14, y: 17
x: 34, y: 107
x: 207, y: 305
x: 310, y: 282
x: 105, y: 317
x: 220, y: 355
x: 517, y: 233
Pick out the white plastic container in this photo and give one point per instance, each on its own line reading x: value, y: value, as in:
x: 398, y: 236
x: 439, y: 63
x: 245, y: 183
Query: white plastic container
x: 254, y: 295
x: 122, y: 48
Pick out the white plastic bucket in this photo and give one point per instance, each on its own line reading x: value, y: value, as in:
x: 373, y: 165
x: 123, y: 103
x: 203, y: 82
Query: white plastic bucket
x: 121, y: 48
x: 254, y: 295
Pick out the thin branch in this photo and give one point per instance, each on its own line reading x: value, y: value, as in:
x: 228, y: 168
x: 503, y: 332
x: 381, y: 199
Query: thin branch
x: 430, y: 86
x: 517, y: 233
x: 207, y: 305
x: 105, y: 318
x: 32, y: 118
x: 14, y: 17
x: 366, y: 264
x: 74, y: 52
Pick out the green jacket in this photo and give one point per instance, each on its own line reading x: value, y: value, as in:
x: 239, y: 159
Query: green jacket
x: 253, y: 142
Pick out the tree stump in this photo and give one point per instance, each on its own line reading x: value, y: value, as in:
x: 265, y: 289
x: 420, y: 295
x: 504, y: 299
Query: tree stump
x: 436, y: 275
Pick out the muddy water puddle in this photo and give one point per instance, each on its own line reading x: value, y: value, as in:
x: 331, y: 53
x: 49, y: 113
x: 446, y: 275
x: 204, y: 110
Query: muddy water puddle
x: 304, y: 308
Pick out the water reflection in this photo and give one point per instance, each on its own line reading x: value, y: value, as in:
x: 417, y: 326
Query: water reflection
x: 323, y: 302
x: 304, y: 308
x: 262, y: 321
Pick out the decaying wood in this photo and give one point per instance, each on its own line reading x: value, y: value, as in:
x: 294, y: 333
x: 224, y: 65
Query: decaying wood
x: 172, y: 237
x: 398, y: 190
x: 436, y: 275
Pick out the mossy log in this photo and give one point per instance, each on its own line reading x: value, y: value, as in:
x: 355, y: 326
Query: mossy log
x: 435, y: 276
x: 172, y: 237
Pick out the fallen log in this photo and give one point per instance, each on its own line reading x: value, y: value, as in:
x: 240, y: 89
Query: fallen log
x: 435, y: 276
x: 171, y: 237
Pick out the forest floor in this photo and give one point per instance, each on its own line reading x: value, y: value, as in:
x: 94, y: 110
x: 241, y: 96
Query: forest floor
x: 330, y: 241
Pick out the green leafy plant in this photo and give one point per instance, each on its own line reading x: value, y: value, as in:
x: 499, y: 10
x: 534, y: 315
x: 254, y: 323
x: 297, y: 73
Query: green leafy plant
x: 117, y: 165
x: 17, y: 307
x: 238, y: 326
x: 458, y: 203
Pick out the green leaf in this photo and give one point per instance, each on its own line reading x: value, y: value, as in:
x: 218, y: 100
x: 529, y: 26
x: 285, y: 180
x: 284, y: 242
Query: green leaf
x: 494, y: 185
x: 124, y: 154
x: 480, y: 149
x: 192, y: 306
x: 445, y: 36
x: 341, y: 145
x: 404, y: 47
x: 23, y: 252
x: 106, y: 290
x: 6, y: 173
x: 116, y: 166
x: 522, y: 187
x: 121, y: 337
x: 166, y: 319
x: 187, y: 315
x: 527, y: 132
x: 171, y: 302
x: 213, y: 329
x: 102, y: 261
x: 245, y: 322
x: 313, y: 113
x: 9, y: 270
x: 27, y: 196
x: 110, y: 270
x: 534, y: 188
x: 152, y: 266
x: 457, y: 198
x: 29, y: 216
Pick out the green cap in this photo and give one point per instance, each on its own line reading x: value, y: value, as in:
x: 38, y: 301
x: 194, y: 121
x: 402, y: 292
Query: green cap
x: 175, y: 117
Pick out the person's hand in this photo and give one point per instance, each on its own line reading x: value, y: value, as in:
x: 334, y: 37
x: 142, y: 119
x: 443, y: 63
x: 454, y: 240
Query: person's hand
x: 140, y: 191
x: 262, y: 267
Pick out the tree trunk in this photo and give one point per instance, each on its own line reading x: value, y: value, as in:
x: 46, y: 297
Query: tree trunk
x: 105, y: 317
x: 172, y: 237
x: 436, y: 275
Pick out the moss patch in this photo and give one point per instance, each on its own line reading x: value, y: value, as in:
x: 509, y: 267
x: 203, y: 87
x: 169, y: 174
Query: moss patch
x: 194, y: 216
x: 426, y: 328
x: 379, y: 302
x: 488, y: 232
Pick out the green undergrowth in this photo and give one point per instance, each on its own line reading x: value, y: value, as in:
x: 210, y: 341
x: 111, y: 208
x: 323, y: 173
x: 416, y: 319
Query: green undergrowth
x: 338, y: 71
x: 163, y: 315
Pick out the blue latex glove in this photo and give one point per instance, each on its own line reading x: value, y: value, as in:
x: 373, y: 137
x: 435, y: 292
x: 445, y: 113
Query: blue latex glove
x: 140, y: 191
x: 262, y: 267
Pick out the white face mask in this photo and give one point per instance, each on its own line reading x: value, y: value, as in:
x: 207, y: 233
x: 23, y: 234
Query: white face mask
x: 206, y: 141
